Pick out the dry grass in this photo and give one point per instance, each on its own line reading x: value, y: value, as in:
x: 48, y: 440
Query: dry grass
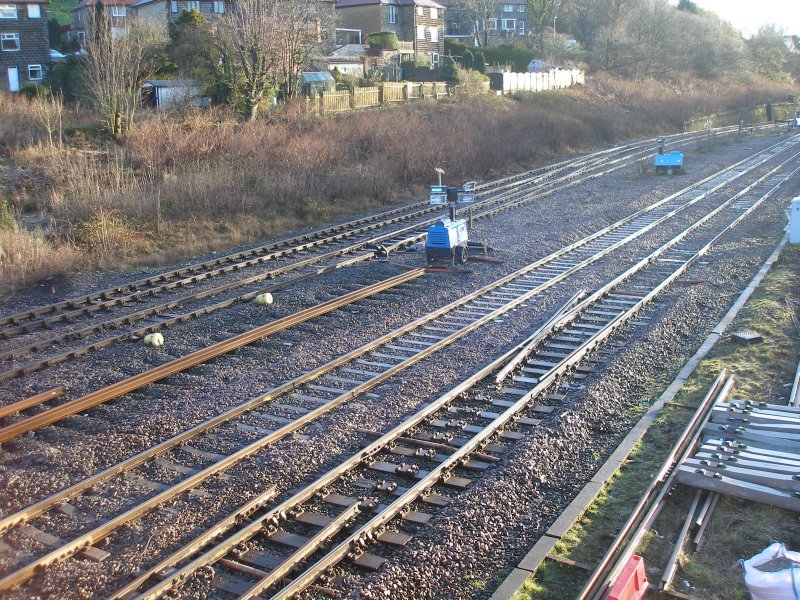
x: 177, y: 174
x: 26, y: 258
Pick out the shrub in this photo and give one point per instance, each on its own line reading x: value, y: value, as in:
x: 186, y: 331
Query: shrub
x: 383, y: 40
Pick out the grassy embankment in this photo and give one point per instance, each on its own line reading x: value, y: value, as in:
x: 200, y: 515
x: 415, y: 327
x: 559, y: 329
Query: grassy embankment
x: 188, y: 183
x: 738, y: 529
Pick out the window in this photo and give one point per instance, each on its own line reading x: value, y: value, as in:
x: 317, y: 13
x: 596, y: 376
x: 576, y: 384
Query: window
x: 454, y: 27
x: 420, y: 11
x: 521, y: 8
x: 492, y: 23
x: 173, y: 7
x: 81, y: 37
x: 118, y: 11
x: 435, y: 59
x: 35, y: 72
x: 522, y: 27
x: 434, y: 13
x: 509, y: 24
x: 391, y: 15
x: 34, y: 11
x: 193, y: 5
x: 420, y: 32
x: 508, y: 8
x: 434, y: 34
x: 219, y: 7
x: 9, y: 42
x: 8, y: 11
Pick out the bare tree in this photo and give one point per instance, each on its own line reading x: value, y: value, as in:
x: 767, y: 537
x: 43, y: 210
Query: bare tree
x: 249, y: 37
x: 305, y: 25
x: 118, y: 61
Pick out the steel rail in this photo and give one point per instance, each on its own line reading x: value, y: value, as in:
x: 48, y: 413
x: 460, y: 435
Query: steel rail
x: 314, y: 236
x: 360, y: 538
x: 34, y: 400
x: 222, y: 549
x: 251, y: 256
x: 200, y: 356
x: 128, y: 319
x: 71, y: 491
x: 93, y: 536
x: 647, y: 509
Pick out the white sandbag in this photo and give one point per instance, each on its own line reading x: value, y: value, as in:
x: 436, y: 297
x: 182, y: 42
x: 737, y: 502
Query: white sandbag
x: 783, y: 584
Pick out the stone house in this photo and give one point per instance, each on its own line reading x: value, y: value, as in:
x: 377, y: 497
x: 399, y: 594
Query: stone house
x: 166, y: 11
x: 118, y: 11
x: 508, y: 19
x: 24, y: 45
x: 418, y: 24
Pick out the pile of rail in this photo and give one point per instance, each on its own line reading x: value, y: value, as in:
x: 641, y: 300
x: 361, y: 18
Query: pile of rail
x: 751, y: 451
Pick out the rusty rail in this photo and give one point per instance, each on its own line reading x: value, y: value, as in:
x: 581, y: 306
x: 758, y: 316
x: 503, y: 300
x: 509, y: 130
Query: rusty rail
x: 195, y: 358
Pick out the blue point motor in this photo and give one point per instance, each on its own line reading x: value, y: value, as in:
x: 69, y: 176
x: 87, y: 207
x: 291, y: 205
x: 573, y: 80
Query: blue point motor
x: 447, y: 238
x: 667, y: 162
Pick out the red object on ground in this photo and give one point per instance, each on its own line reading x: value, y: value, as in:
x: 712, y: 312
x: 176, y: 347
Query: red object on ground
x: 632, y: 582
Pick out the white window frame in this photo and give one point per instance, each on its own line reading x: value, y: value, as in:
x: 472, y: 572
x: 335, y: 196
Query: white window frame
x: 492, y: 24
x: 454, y: 27
x: 173, y: 7
x: 505, y: 27
x: 219, y: 7
x: 4, y: 37
x: 119, y: 11
x: 81, y: 35
x: 420, y: 11
x: 35, y: 68
x: 434, y: 34
x: 435, y: 58
x: 522, y: 27
x: 193, y: 5
x: 434, y: 13
x: 521, y: 8
x: 391, y: 15
x: 8, y: 11
x: 420, y: 32
x: 509, y: 8
x: 34, y: 11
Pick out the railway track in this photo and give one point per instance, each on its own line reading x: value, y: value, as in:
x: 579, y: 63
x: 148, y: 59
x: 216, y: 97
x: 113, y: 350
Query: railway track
x: 414, y: 342
x: 331, y: 249
x: 396, y: 483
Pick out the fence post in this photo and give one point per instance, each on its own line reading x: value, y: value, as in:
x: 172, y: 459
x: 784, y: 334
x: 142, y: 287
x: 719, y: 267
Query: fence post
x: 380, y: 94
x: 353, y: 98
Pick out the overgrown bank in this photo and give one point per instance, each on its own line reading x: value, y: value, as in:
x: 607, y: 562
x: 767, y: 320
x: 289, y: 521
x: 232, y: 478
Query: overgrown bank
x: 186, y: 183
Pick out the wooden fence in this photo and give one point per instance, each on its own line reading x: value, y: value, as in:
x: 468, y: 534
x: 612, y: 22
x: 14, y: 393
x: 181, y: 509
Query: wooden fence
x: 327, y: 103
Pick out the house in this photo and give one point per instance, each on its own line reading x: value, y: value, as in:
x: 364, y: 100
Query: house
x: 166, y: 11
x: 506, y: 20
x: 24, y: 45
x: 418, y: 24
x: 118, y: 11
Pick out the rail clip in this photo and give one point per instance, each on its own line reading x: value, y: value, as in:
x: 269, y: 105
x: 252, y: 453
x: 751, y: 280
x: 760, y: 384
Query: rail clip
x: 632, y: 582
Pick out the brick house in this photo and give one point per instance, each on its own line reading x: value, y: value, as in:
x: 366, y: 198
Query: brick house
x: 419, y: 23
x: 507, y: 19
x: 24, y: 45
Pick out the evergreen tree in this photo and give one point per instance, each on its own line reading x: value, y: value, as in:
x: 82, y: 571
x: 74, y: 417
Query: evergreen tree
x: 467, y: 60
x: 479, y: 62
